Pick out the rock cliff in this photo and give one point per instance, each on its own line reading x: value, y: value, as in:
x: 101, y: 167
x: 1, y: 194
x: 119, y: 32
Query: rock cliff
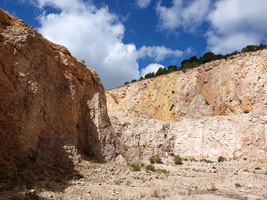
x: 240, y: 136
x: 217, y: 109
x: 52, y: 107
x: 224, y: 87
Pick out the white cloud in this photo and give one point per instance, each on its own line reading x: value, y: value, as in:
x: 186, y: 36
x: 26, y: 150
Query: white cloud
x: 230, y: 42
x: 158, y: 53
x: 143, y: 3
x: 65, y: 5
x: 153, y: 67
x: 189, y: 51
x: 94, y: 35
x: 182, y: 15
x: 235, y: 24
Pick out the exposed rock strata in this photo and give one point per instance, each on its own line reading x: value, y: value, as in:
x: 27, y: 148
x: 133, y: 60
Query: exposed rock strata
x: 52, y: 107
x: 204, y: 106
x: 240, y: 136
x: 224, y: 87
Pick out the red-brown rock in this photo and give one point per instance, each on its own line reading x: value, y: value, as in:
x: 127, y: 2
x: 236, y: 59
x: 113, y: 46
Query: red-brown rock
x: 52, y: 107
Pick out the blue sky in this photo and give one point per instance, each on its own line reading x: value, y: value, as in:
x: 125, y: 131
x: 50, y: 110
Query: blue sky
x: 124, y: 39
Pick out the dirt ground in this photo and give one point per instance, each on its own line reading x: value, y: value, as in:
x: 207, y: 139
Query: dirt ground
x: 236, y: 179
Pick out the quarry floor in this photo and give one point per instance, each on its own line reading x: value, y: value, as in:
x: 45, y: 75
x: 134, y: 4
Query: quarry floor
x: 235, y: 179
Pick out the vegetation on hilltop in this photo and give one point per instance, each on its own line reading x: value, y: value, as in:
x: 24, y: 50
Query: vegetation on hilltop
x: 194, y: 62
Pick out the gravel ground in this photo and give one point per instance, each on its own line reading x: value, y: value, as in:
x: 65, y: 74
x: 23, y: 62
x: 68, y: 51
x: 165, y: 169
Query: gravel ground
x: 236, y: 179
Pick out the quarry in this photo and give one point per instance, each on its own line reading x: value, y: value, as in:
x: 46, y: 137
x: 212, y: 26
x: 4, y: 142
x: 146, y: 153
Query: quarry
x: 194, y: 134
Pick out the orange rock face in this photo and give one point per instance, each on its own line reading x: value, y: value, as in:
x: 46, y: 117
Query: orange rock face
x: 52, y: 107
x: 224, y: 87
x: 217, y: 109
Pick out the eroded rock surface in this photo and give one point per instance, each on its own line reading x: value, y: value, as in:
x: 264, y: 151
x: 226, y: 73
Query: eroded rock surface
x: 224, y: 87
x: 217, y: 109
x: 240, y: 136
x: 52, y: 107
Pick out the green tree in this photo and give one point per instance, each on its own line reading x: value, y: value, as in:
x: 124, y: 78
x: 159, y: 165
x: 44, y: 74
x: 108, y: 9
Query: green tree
x: 195, y: 62
x: 161, y: 71
x: 193, y: 59
x: 250, y: 48
x: 141, y: 78
x: 150, y: 75
x: 231, y: 54
x: 172, y: 68
x: 207, y: 57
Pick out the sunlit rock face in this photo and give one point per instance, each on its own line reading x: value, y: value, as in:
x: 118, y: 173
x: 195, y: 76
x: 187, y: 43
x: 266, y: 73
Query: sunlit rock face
x: 219, y: 108
x: 224, y: 87
x: 239, y: 136
x: 52, y: 107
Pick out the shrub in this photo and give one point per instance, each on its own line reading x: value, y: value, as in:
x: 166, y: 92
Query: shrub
x: 257, y: 168
x: 238, y: 185
x: 162, y: 171
x: 155, y: 159
x: 150, y: 168
x: 221, y: 159
x: 136, y: 167
x: 206, y: 161
x: 193, y: 159
x: 246, y: 111
x: 158, y: 159
x: 178, y: 160
x: 151, y: 160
